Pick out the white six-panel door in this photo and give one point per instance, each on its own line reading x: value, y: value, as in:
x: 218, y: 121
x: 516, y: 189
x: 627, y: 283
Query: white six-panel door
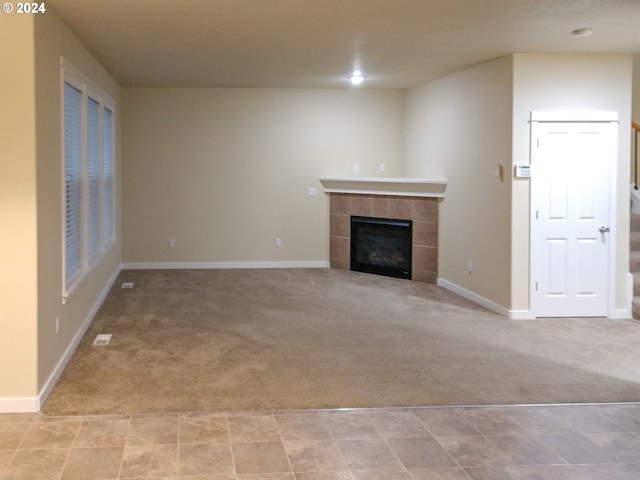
x: 571, y: 198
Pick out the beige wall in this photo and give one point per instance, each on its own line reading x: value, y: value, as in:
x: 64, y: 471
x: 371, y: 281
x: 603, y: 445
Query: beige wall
x: 52, y: 40
x: 460, y: 128
x: 457, y: 129
x: 225, y: 171
x: 31, y: 199
x: 569, y: 82
x: 18, y: 210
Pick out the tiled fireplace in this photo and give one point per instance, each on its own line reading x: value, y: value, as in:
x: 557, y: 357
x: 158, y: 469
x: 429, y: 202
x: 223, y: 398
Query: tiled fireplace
x: 423, y: 211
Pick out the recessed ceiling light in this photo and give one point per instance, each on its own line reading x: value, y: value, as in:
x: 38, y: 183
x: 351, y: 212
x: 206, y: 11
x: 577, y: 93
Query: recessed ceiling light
x: 356, y: 78
x: 582, y: 32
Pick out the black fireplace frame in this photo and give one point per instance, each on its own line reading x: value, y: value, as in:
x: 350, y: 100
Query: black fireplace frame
x: 398, y: 225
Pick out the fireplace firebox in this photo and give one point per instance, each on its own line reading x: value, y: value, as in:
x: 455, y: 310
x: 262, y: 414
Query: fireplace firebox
x: 381, y: 246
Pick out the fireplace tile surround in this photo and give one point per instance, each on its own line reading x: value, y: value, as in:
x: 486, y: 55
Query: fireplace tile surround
x: 422, y: 210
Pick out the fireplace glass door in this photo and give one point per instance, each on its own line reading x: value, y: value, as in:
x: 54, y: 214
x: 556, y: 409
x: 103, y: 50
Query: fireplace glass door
x: 381, y: 246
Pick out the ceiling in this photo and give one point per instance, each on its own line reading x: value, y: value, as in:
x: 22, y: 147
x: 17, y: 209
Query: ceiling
x: 317, y: 43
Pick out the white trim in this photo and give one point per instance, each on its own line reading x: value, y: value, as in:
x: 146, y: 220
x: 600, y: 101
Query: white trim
x: 34, y: 404
x: 612, y: 283
x: 521, y: 315
x: 483, y: 302
x: 589, y: 116
x: 620, y: 314
x: 59, y: 368
x: 19, y: 405
x: 624, y: 313
x: 474, y: 297
x: 616, y: 314
x: 220, y: 265
x: 387, y: 193
x: 630, y: 294
x: 574, y: 116
x: 72, y: 76
x: 406, y: 187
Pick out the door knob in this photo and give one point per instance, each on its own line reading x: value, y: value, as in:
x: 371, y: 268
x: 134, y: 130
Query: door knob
x: 603, y: 229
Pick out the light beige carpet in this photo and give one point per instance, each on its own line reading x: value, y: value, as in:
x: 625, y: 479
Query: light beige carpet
x: 230, y: 340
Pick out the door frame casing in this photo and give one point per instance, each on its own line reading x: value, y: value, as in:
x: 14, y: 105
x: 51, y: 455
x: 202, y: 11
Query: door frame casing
x: 595, y: 116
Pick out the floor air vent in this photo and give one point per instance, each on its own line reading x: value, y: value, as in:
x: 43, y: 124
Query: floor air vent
x: 102, y: 339
x: 127, y: 285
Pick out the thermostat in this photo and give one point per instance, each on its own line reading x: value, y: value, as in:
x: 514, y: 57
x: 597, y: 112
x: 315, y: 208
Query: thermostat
x: 523, y: 171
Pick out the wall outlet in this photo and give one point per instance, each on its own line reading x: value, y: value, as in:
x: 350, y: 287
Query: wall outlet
x: 381, y: 167
x: 312, y: 192
x: 278, y: 242
x: 172, y: 242
x: 356, y: 167
x: 469, y: 266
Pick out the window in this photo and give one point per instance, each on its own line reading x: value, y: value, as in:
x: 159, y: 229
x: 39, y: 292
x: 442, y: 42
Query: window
x: 73, y: 184
x: 89, y: 176
x: 108, y: 179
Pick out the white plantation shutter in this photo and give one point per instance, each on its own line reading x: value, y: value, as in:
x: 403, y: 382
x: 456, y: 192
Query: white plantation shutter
x: 108, y: 175
x: 73, y: 182
x: 94, y: 173
x: 89, y: 171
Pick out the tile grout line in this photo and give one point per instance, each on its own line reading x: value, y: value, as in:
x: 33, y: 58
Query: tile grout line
x: 71, y: 446
x: 386, y: 441
x: 275, y: 422
x: 439, y: 444
x: 124, y: 446
x: 233, y: 457
x: 368, y: 413
x: 33, y: 422
x: 178, y: 444
x: 17, y: 447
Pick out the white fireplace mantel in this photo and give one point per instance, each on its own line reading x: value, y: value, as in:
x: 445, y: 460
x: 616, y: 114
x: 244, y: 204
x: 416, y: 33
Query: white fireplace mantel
x: 406, y: 187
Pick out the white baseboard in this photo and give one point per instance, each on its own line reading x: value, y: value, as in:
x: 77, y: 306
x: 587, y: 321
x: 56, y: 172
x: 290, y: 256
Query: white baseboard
x: 488, y: 304
x: 615, y: 314
x: 474, y: 297
x: 625, y: 313
x: 219, y: 265
x: 621, y: 314
x: 34, y: 404
x: 19, y: 405
x: 521, y: 315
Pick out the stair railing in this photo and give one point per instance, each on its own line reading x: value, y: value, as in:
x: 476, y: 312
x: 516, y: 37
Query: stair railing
x: 636, y: 128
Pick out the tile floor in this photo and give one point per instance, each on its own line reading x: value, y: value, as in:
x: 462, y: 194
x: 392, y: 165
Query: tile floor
x: 497, y: 443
